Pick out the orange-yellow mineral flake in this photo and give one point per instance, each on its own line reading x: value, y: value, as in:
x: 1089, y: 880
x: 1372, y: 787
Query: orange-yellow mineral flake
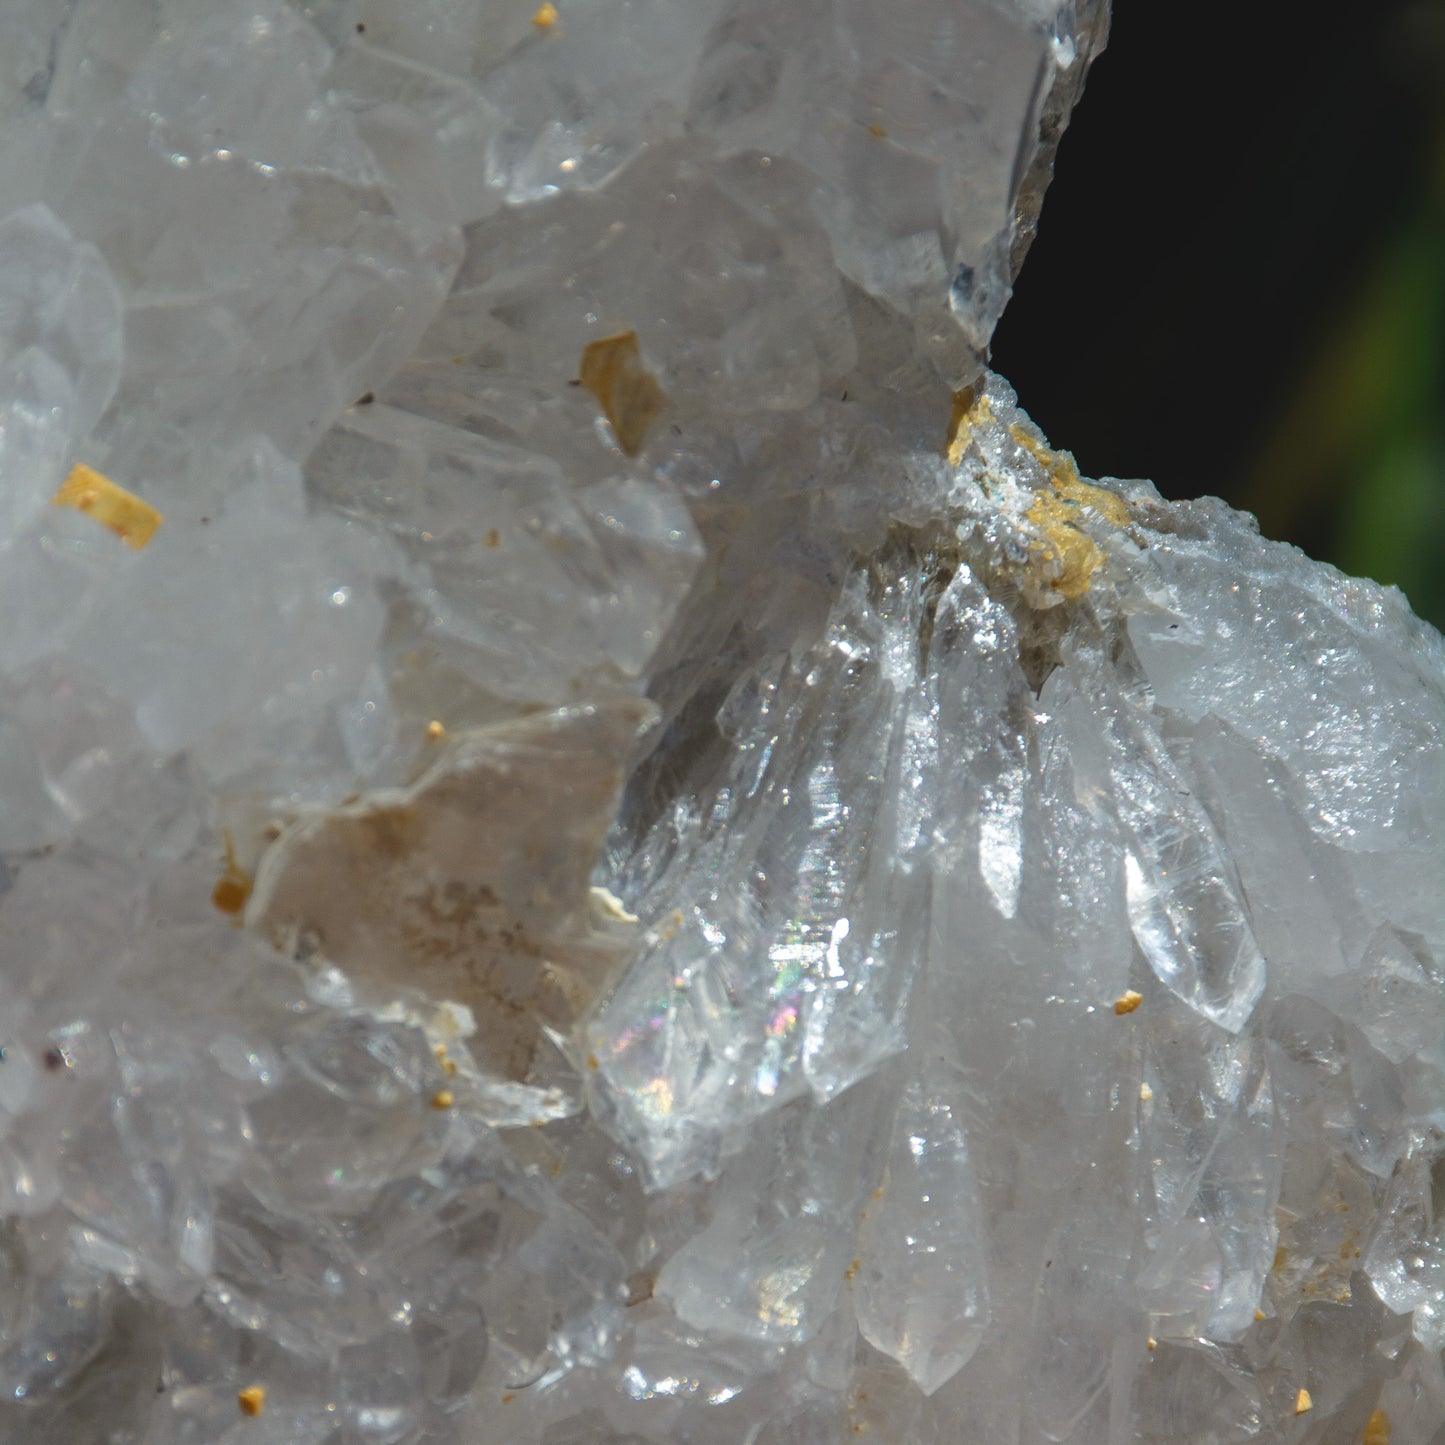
x: 252, y: 1400
x: 234, y: 887
x: 1070, y: 556
x: 627, y: 392
x: 132, y: 520
x: 1065, y: 480
x: 968, y: 410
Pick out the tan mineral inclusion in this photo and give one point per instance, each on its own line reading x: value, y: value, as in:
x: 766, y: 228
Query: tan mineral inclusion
x: 628, y: 393
x: 471, y: 884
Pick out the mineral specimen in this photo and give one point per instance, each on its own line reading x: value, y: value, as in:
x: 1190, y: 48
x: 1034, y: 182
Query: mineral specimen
x: 600, y: 844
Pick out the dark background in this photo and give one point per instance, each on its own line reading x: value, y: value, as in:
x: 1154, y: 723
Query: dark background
x: 1238, y: 285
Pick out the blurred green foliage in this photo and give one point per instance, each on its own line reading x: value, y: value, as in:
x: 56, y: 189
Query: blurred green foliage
x: 1357, y: 461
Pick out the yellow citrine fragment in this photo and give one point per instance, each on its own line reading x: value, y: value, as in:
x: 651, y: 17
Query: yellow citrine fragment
x: 1377, y: 1429
x: 131, y: 519
x: 1302, y: 1402
x: 628, y: 393
x: 1128, y: 1001
x: 546, y: 16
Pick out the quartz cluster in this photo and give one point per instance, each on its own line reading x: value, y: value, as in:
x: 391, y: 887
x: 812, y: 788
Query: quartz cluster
x: 600, y: 844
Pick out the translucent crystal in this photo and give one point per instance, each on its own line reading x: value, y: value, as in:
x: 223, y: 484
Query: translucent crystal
x: 600, y: 843
x: 791, y: 972
x: 1210, y: 1130
x: 922, y: 1282
x: 1406, y: 1259
x: 60, y: 357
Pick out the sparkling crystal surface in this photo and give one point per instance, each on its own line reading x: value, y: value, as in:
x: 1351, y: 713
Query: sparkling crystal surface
x: 600, y: 843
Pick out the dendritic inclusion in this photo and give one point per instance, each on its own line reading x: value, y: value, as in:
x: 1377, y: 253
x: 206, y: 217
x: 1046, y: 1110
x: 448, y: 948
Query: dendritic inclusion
x: 600, y: 843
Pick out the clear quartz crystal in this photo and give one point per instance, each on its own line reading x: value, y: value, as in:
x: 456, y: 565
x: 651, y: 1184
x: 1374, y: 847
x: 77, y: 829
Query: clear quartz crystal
x: 921, y: 1290
x: 599, y: 843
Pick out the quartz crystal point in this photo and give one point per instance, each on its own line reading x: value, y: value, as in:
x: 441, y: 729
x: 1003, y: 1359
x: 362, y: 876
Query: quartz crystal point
x: 921, y: 1288
x: 600, y: 844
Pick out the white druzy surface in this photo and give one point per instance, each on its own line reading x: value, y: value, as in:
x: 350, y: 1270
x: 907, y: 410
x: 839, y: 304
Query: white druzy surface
x: 600, y: 844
